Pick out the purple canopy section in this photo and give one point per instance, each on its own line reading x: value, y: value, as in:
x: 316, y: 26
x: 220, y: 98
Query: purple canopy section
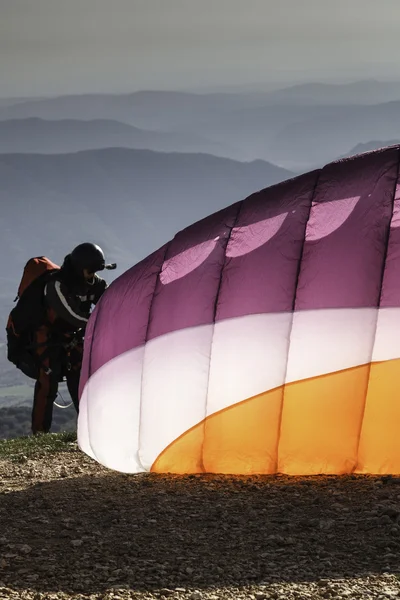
x: 325, y: 239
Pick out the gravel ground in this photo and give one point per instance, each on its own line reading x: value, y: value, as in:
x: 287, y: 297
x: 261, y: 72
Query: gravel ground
x: 70, y: 529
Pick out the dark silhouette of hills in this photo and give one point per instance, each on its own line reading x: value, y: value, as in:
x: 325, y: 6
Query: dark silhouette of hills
x: 36, y: 135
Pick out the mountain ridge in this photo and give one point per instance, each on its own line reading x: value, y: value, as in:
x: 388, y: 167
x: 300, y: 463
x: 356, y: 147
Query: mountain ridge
x: 47, y: 136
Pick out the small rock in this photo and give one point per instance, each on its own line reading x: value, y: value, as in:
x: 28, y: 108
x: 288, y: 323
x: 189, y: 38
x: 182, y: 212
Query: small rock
x: 391, y: 512
x: 326, y: 524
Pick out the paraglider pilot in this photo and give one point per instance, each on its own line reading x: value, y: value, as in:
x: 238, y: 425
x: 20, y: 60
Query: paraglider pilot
x: 56, y: 336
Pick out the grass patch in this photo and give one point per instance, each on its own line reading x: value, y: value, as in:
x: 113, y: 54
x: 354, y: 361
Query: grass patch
x: 36, y: 446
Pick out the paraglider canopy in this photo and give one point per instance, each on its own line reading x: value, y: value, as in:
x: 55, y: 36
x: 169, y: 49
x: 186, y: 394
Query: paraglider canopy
x: 262, y: 339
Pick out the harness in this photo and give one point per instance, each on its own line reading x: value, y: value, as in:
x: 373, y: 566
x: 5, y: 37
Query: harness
x: 48, y: 345
x: 39, y: 359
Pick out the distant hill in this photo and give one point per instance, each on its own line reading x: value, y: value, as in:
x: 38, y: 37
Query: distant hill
x: 296, y: 127
x: 17, y: 100
x: 321, y: 138
x: 236, y: 126
x: 239, y: 126
x: 35, y: 135
x: 361, y: 92
x: 130, y: 201
x: 369, y: 147
x: 302, y: 137
x: 253, y: 130
x: 154, y: 110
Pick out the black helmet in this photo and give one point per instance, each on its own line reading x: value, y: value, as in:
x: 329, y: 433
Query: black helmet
x: 88, y: 256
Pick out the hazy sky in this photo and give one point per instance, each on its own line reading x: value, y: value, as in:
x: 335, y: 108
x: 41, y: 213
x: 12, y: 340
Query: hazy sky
x: 68, y: 46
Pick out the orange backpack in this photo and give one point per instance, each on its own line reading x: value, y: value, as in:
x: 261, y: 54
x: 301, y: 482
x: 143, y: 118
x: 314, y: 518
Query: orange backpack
x: 34, y: 268
x: 29, y: 311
